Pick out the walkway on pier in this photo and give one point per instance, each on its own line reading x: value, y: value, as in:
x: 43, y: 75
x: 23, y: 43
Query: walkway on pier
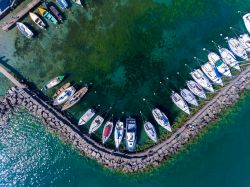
x: 7, y: 25
x: 11, y: 78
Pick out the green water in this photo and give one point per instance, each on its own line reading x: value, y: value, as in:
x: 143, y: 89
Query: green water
x: 125, y: 48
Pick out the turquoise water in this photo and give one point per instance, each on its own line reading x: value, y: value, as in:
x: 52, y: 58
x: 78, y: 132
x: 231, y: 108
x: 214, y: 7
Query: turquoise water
x: 125, y: 48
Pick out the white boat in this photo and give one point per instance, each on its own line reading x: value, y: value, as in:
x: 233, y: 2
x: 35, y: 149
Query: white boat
x: 130, y: 134
x: 236, y: 47
x: 246, y: 19
x: 189, y: 97
x: 64, y: 96
x: 210, y: 72
x: 216, y: 61
x: 196, y: 89
x: 107, y: 130
x: 179, y: 102
x: 96, y: 123
x: 202, y: 80
x: 79, y: 2
x: 161, y: 119
x: 37, y: 20
x: 150, y: 131
x: 88, y: 115
x: 229, y: 58
x: 24, y: 30
x: 244, y: 39
x: 118, y: 133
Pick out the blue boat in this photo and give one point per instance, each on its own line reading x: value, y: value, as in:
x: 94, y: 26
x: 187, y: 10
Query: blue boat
x: 130, y: 134
x: 63, y: 4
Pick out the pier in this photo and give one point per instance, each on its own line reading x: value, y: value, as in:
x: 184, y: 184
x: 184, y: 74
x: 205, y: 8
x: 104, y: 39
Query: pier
x: 8, y: 24
x: 69, y: 132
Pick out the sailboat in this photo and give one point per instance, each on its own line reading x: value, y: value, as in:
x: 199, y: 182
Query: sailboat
x: 150, y: 131
x: 246, y: 19
x: 161, y: 119
x: 47, y: 15
x: 24, y: 30
x: 88, y: 115
x: 96, y: 123
x: 60, y: 90
x: 229, y: 58
x: 37, y: 20
x: 196, y: 89
x: 107, y: 130
x: 202, y: 80
x: 130, y: 134
x: 244, y: 39
x: 54, y: 82
x: 216, y: 61
x: 236, y: 47
x: 189, y: 97
x: 211, y: 73
x: 64, y: 96
x: 118, y: 133
x: 179, y: 102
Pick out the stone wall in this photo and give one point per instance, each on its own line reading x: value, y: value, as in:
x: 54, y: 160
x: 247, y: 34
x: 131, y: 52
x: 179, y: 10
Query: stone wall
x: 135, y: 162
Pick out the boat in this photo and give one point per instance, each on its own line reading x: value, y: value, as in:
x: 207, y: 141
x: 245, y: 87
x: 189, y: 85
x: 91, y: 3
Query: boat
x: 244, y: 39
x: 24, y: 30
x: 236, y: 47
x: 202, y: 80
x: 130, y: 134
x: 196, y: 89
x: 60, y: 90
x: 212, y: 73
x: 229, y: 58
x: 161, y: 119
x: 118, y: 133
x: 150, y: 131
x: 75, y: 98
x: 52, y: 8
x: 79, y: 2
x: 179, y: 102
x: 96, y: 123
x: 64, y: 96
x: 63, y: 4
x: 88, y: 115
x: 54, y: 82
x: 107, y: 130
x: 37, y: 20
x: 47, y: 15
x: 189, y: 97
x: 246, y: 19
x: 216, y: 61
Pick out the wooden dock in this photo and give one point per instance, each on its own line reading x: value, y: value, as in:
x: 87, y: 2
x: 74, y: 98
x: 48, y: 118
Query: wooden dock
x: 8, y: 24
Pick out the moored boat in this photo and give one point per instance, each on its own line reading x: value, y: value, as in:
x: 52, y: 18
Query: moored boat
x: 75, y: 98
x: 244, y: 39
x: 130, y: 134
x: 161, y: 119
x: 236, y: 47
x: 229, y: 58
x: 79, y: 2
x: 24, y: 30
x: 47, y: 15
x: 202, y: 80
x: 179, y: 102
x: 96, y: 123
x: 212, y: 73
x: 246, y: 19
x: 63, y: 4
x: 189, y: 97
x: 88, y: 115
x: 52, y: 8
x: 196, y: 89
x: 60, y: 90
x: 107, y: 130
x: 150, y: 131
x: 64, y: 96
x: 37, y: 20
x: 54, y: 82
x: 216, y: 61
x: 118, y: 133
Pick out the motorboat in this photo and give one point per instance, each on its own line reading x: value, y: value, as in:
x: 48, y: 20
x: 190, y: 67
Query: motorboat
x: 118, y: 133
x: 179, y: 102
x: 202, y: 80
x: 229, y: 58
x: 53, y: 9
x: 246, y: 19
x: 60, y: 90
x: 150, y: 131
x: 53, y: 82
x: 188, y: 96
x: 96, y: 124
x: 79, y: 2
x: 63, y: 4
x: 37, y: 20
x: 161, y: 119
x: 87, y: 116
x: 24, y: 30
x: 196, y: 89
x: 107, y: 130
x: 45, y: 13
x: 212, y: 73
x: 216, y: 61
x: 131, y: 134
x: 64, y: 96
x: 237, y: 48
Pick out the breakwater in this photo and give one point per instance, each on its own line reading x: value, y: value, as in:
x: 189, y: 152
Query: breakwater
x: 69, y: 132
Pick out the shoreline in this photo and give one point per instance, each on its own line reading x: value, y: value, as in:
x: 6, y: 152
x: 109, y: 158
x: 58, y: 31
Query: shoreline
x: 126, y: 163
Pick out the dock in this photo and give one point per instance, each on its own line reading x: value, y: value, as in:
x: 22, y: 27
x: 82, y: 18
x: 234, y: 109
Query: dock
x: 8, y: 24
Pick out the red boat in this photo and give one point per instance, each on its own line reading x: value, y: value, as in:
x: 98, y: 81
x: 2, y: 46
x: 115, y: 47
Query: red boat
x: 107, y: 130
x: 52, y: 8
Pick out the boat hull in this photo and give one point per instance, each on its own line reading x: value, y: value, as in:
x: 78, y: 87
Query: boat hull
x: 86, y: 117
x: 96, y: 124
x: 150, y: 131
x: 118, y: 133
